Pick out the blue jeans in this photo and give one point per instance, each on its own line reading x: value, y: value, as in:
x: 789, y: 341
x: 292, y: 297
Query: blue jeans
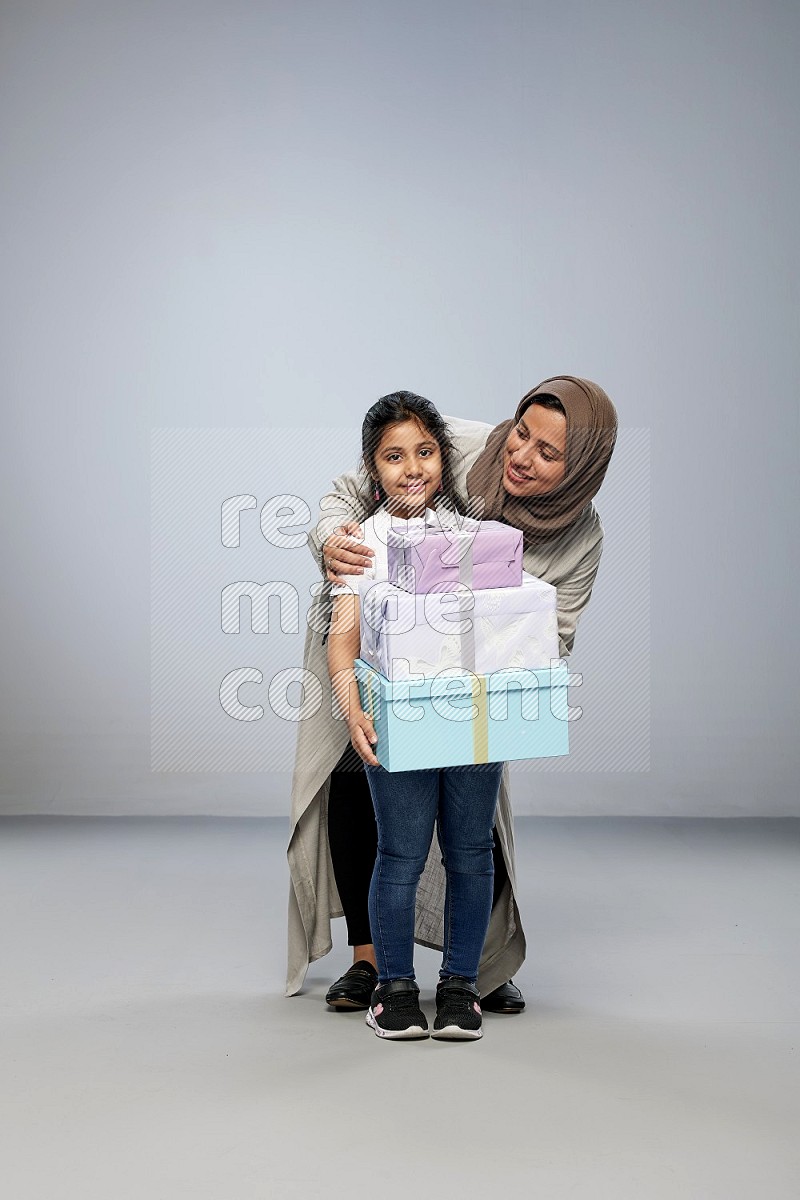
x: 460, y: 802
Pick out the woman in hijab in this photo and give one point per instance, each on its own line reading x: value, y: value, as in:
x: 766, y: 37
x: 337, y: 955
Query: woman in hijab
x: 538, y: 471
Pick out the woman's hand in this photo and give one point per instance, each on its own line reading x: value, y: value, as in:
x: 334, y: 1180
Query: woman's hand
x: 343, y: 555
x: 363, y: 737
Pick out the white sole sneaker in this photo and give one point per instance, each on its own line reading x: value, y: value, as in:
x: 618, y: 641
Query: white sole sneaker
x: 454, y: 1033
x: 413, y: 1031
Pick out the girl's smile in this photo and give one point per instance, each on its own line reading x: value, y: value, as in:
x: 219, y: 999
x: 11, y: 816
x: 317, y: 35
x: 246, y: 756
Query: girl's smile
x: 408, y: 463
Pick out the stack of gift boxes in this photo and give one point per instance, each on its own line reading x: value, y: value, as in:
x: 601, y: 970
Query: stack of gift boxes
x: 457, y: 649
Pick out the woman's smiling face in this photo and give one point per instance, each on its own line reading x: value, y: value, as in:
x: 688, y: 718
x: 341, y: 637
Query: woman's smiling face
x: 408, y: 463
x: 535, y: 453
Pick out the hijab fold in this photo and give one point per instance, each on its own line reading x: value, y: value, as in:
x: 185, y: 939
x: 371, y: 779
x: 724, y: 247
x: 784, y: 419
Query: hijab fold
x: 591, y: 434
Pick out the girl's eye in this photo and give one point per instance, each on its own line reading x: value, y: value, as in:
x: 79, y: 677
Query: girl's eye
x: 393, y: 457
x: 521, y: 431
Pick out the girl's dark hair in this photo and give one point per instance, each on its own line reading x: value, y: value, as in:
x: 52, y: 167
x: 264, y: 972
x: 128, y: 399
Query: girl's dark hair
x: 407, y: 406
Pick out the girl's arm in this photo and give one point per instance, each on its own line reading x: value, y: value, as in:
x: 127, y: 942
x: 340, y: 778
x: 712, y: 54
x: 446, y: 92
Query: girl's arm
x: 344, y: 643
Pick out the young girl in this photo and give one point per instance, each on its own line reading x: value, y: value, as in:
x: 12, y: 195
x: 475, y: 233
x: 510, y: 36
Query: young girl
x: 406, y: 449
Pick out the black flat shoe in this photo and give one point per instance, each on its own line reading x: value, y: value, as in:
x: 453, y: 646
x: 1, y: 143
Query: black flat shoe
x: 354, y: 989
x: 505, y: 999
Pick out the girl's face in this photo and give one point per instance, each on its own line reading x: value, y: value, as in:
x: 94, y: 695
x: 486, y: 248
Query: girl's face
x: 408, y: 463
x: 535, y: 454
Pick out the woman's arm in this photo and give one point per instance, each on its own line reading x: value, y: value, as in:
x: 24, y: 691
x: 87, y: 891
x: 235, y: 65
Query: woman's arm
x: 344, y: 643
x: 345, y: 506
x: 573, y: 596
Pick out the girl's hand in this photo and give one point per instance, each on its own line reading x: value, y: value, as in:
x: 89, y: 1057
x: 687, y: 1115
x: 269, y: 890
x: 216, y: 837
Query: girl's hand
x: 344, y: 556
x: 363, y: 737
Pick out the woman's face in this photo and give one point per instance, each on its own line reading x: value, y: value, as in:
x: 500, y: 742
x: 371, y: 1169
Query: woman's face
x: 535, y: 454
x: 408, y: 463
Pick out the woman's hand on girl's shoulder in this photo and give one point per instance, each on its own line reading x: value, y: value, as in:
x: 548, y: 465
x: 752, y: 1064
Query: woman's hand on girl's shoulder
x: 345, y: 554
x: 363, y: 737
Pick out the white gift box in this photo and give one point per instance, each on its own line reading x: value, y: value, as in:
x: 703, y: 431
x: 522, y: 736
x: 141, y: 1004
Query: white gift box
x: 480, y: 630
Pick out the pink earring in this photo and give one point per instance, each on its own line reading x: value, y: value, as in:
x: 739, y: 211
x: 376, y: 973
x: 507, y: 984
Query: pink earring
x: 377, y: 492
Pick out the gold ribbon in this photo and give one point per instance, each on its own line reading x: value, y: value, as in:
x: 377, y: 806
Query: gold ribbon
x: 370, y: 682
x: 480, y: 722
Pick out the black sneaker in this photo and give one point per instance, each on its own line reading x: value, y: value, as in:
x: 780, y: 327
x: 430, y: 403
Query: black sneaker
x: 354, y: 988
x: 394, y: 1010
x: 458, y: 1010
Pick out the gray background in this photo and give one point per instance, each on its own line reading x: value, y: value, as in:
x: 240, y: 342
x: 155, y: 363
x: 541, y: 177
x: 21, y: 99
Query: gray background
x: 239, y: 216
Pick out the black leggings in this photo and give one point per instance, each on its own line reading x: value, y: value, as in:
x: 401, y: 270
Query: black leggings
x: 353, y: 838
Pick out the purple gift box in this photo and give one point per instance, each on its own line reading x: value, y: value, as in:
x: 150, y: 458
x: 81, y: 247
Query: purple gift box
x: 485, y: 554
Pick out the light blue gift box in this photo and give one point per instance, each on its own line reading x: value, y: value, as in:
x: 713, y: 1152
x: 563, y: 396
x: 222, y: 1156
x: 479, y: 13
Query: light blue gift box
x: 455, y: 717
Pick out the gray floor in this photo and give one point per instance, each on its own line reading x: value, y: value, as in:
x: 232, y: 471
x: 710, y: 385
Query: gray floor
x: 148, y: 1051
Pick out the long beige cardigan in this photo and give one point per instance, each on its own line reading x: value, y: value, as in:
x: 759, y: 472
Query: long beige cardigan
x: 570, y: 563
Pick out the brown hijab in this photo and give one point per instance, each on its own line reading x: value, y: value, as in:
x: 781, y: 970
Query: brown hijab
x: 591, y: 433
